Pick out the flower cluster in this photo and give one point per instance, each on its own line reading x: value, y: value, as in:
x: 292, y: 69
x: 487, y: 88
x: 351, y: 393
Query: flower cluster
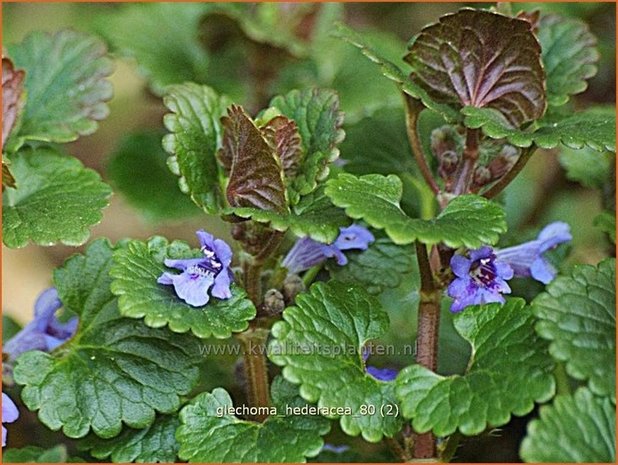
x: 481, y: 277
x: 202, y: 277
x: 45, y: 332
x: 307, y: 253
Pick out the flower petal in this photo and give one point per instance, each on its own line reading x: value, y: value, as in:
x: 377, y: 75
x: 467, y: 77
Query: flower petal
x: 9, y: 409
x: 206, y: 239
x: 45, y: 308
x: 193, y: 289
x: 483, y: 252
x: 542, y: 271
x: 221, y: 289
x: 553, y: 234
x: 460, y: 266
x: 382, y: 374
x: 183, y: 263
x: 223, y: 252
x: 354, y: 237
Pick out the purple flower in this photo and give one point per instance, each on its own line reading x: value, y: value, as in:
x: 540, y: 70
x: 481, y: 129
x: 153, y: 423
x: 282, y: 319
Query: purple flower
x: 480, y: 279
x: 335, y: 449
x: 527, y: 259
x: 9, y: 414
x: 202, y: 277
x: 381, y: 374
x: 307, y: 253
x: 45, y: 332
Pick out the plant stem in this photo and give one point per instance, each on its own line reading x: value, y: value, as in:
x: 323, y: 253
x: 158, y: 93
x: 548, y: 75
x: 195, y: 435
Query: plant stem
x: 427, y: 338
x: 413, y: 110
x: 256, y: 371
x: 311, y: 273
x: 512, y: 173
x: 450, y: 447
x: 252, y: 276
x: 470, y: 156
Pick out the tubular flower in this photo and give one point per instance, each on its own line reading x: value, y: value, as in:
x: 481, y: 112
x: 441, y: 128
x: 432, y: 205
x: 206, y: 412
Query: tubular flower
x: 307, y: 253
x: 202, y: 277
x: 9, y: 414
x: 479, y: 279
x: 527, y: 259
x: 45, y: 332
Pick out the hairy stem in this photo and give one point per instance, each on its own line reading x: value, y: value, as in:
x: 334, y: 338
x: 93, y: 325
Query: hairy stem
x: 413, y: 110
x: 470, y: 156
x: 427, y: 338
x: 450, y: 447
x: 252, y: 277
x: 511, y: 174
x: 256, y: 370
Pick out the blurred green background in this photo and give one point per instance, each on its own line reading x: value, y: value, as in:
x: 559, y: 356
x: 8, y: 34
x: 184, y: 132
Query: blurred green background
x: 541, y: 194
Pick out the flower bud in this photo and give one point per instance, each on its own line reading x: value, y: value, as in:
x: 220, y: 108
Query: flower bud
x: 482, y: 176
x: 292, y: 286
x: 273, y: 302
x: 449, y: 160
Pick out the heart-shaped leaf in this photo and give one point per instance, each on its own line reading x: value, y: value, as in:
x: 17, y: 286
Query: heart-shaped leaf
x: 210, y: 433
x: 135, y: 271
x: 55, y: 200
x: 468, y: 220
x: 573, y: 429
x: 255, y: 171
x: 319, y: 344
x: 66, y: 85
x: 578, y: 314
x: 569, y: 56
x: 114, y: 370
x: 195, y: 136
x: 509, y: 371
x: 481, y: 59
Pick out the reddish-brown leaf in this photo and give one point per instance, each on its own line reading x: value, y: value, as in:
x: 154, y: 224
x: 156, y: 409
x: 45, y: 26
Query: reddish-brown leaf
x: 481, y: 59
x: 282, y: 134
x: 256, y: 175
x: 12, y: 103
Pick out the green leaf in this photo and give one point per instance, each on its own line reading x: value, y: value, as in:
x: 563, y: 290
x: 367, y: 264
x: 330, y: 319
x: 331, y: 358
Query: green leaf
x: 395, y: 74
x: 154, y: 444
x: 606, y: 222
x: 209, y: 433
x: 162, y: 38
x: 579, y: 428
x: 255, y: 171
x: 135, y: 271
x: 379, y: 267
x: 314, y: 216
x: 195, y: 137
x: 595, y: 127
x: 138, y: 170
x: 66, y: 85
x: 13, y: 99
x: 114, y: 370
x: 586, y: 166
x: 319, y: 344
x: 35, y: 454
x: 481, y: 59
x: 468, y: 220
x: 508, y: 372
x: 316, y: 113
x: 569, y: 56
x: 577, y: 314
x: 56, y: 199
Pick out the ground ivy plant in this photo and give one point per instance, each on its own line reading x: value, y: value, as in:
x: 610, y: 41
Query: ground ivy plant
x: 263, y: 344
